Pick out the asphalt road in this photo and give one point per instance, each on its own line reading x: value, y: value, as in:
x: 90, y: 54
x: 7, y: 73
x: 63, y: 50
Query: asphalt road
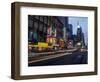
x: 74, y: 58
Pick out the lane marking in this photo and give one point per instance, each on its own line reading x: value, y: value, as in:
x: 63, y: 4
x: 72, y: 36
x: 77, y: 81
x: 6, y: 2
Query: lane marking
x: 48, y: 57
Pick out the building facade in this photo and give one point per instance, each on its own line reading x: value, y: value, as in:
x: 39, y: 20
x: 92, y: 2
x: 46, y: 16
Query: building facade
x: 45, y: 29
x: 80, y: 36
x: 37, y: 28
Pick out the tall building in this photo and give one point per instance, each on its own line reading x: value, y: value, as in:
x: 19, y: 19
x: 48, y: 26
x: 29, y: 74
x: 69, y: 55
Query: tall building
x: 65, y: 37
x: 80, y: 36
x: 83, y: 40
x: 70, y: 31
x: 64, y: 34
x: 70, y: 36
x: 66, y: 22
x: 79, y: 33
x: 74, y: 40
x: 55, y: 29
x: 37, y: 28
x: 59, y: 27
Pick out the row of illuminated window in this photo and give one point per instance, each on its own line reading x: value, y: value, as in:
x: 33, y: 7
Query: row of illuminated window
x: 46, y: 20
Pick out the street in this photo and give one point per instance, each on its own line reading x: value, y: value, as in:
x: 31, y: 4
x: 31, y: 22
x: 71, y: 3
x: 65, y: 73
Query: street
x: 68, y: 59
x: 57, y: 40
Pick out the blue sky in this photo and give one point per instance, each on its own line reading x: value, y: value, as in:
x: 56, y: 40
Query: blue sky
x: 83, y: 22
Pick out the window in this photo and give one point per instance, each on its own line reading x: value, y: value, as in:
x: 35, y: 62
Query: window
x: 30, y: 23
x: 40, y: 26
x: 35, y: 25
x: 36, y: 17
x: 41, y: 18
x: 45, y: 29
x: 45, y: 20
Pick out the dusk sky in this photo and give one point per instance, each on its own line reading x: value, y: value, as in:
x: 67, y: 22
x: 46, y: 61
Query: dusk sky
x: 83, y: 22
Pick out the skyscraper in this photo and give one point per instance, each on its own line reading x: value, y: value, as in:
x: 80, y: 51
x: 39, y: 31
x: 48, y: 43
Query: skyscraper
x: 65, y: 29
x: 70, y: 31
x: 83, y: 40
x: 80, y: 35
